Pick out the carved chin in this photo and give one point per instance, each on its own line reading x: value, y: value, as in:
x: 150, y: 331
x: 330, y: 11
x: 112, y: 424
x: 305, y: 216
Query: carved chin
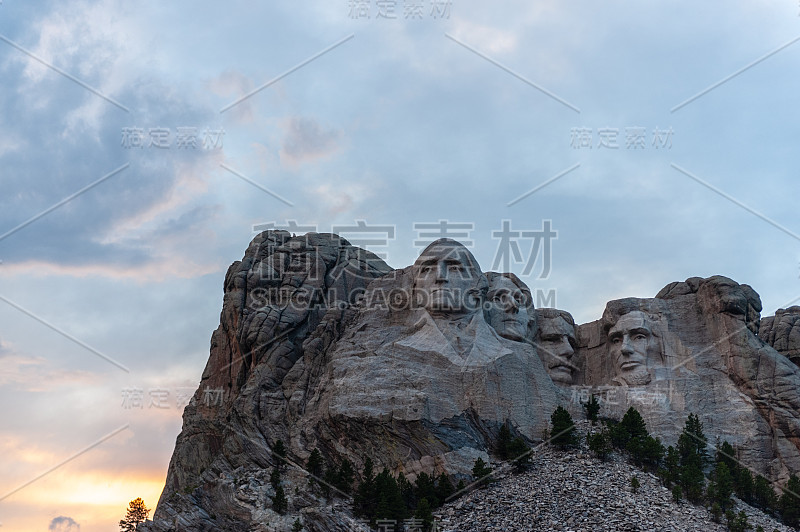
x: 561, y: 375
x: 511, y: 331
x: 638, y: 377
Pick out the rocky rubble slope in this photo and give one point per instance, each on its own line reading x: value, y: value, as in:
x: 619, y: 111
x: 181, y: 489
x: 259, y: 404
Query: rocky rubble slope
x: 573, y: 491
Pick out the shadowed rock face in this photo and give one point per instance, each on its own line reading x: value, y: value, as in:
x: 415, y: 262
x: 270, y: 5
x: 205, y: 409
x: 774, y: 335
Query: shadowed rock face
x: 322, y: 345
x: 782, y: 332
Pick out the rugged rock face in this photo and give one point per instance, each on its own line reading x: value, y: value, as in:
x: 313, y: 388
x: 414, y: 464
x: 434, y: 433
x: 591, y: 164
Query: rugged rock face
x: 693, y: 349
x: 782, y: 332
x: 322, y: 345
x: 275, y: 297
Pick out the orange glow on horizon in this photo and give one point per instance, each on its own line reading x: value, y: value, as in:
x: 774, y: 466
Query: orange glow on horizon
x: 95, y: 500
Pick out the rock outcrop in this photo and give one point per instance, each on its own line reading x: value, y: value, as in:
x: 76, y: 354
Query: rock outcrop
x: 693, y: 349
x: 322, y: 345
x: 275, y: 298
x: 782, y: 332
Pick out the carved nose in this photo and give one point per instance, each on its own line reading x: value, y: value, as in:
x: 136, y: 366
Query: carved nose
x: 626, y: 347
x: 512, y: 305
x: 441, y: 271
x: 566, y: 348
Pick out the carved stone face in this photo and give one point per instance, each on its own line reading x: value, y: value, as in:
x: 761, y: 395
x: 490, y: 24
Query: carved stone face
x: 556, y: 345
x: 446, y: 279
x: 507, y: 309
x: 632, y: 344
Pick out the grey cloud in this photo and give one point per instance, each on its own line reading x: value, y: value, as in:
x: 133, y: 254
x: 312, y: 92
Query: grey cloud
x: 306, y: 140
x: 63, y: 524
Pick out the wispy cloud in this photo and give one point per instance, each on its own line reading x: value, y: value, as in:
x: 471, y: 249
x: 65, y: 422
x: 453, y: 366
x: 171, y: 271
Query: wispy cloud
x: 305, y: 140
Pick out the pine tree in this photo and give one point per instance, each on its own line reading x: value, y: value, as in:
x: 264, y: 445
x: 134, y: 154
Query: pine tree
x: 716, y: 512
x: 519, y: 451
x: 693, y: 455
x: 763, y: 495
x: 390, y: 501
x: 721, y: 487
x: 444, y: 488
x: 345, y: 476
x: 365, y: 501
x: 632, y: 427
x: 737, y: 522
x: 137, y: 513
x: 461, y: 486
x: 275, y: 477
x: 670, y: 472
x: 789, y: 503
x: 503, y: 442
x: 744, y: 484
x: 315, y: 463
x: 297, y: 526
x: 592, y: 408
x: 481, y: 472
x: 280, y: 451
x: 652, y: 453
x: 635, y: 484
x: 279, y: 501
x: 424, y: 488
x: 694, y: 439
x: 726, y: 455
x: 631, y: 435
x: 563, y: 430
x: 330, y: 480
x: 600, y: 443
x: 424, y: 513
x: 407, y: 491
x: 692, y: 480
x: 384, y: 509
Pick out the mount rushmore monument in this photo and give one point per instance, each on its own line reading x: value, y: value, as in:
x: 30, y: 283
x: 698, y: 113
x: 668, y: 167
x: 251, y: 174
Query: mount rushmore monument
x: 323, y: 345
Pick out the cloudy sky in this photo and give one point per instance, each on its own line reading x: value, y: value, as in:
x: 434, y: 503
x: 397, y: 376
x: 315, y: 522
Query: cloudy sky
x: 141, y: 142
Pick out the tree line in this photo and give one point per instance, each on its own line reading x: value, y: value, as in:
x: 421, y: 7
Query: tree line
x: 687, y: 469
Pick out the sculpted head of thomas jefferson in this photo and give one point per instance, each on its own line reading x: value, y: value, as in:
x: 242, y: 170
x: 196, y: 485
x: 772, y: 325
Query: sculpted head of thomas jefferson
x: 509, y: 306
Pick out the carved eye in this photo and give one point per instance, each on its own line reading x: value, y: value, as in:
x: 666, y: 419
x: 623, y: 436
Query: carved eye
x: 616, y: 340
x: 640, y: 336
